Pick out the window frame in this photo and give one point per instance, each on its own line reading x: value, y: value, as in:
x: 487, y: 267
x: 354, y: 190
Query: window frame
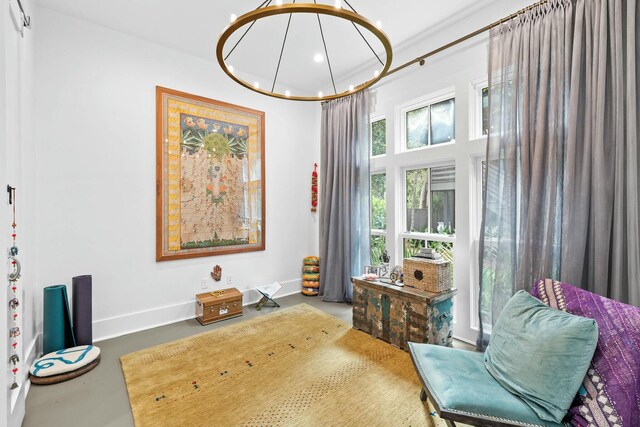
x: 475, y: 107
x: 417, y: 103
x: 377, y: 171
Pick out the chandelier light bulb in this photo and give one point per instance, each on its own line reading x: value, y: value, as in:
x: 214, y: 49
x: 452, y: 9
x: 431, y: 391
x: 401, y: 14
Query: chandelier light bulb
x: 338, y: 4
x: 233, y: 17
x: 320, y: 94
x: 376, y: 73
x: 256, y: 85
x: 379, y: 24
x: 350, y: 88
x: 230, y: 67
x: 278, y: 2
x: 287, y: 93
x: 318, y: 57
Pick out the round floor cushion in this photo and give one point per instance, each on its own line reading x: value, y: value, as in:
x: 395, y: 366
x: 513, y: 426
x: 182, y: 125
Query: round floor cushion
x: 309, y: 284
x: 55, y: 379
x: 64, y: 361
x: 311, y: 260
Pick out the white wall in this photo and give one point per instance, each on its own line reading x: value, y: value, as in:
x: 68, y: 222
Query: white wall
x: 17, y: 156
x: 96, y: 175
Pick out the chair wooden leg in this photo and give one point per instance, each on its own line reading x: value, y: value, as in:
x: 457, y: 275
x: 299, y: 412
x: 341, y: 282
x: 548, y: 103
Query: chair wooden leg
x: 450, y: 423
x: 423, y: 395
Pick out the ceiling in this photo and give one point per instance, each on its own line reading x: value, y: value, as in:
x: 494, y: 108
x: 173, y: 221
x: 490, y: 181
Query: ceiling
x: 193, y: 26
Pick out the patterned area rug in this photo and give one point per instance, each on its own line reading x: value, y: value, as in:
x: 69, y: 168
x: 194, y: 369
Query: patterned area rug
x: 297, y: 366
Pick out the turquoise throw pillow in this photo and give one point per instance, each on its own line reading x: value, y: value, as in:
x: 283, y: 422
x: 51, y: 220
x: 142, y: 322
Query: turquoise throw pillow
x: 541, y: 354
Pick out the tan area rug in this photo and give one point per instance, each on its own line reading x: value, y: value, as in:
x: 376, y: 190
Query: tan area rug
x: 297, y: 366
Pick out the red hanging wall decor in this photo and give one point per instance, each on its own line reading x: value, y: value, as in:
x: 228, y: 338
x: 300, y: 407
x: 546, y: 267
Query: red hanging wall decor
x: 314, y: 188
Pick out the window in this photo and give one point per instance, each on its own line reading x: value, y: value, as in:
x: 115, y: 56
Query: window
x: 478, y: 108
x: 482, y: 120
x: 430, y: 200
x: 378, y: 201
x: 379, y: 137
x: 485, y: 111
x: 378, y: 216
x: 492, y: 211
x: 430, y: 211
x: 430, y: 124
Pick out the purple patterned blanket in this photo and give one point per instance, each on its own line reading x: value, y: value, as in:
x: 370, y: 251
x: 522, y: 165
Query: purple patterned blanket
x: 610, y: 395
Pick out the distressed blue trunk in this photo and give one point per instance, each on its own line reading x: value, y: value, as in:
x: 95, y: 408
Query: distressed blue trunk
x: 399, y: 315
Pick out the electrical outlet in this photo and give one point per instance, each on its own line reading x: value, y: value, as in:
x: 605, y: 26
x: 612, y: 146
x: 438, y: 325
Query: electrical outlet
x: 229, y: 280
x: 204, y: 282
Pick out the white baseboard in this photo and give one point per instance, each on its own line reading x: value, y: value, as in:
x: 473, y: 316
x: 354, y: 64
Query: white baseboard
x: 473, y: 343
x: 116, y: 326
x: 30, y: 355
x: 32, y: 351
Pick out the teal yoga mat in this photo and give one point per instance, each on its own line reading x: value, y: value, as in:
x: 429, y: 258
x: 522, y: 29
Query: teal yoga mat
x: 57, y: 333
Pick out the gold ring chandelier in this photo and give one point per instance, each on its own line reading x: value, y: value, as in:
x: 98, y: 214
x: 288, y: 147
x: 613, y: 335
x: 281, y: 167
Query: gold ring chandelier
x: 265, y: 10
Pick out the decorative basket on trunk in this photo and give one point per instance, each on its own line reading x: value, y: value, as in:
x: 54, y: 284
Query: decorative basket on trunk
x: 428, y: 275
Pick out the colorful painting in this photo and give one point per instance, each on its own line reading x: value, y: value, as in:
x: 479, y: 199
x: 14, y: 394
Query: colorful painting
x: 210, y: 177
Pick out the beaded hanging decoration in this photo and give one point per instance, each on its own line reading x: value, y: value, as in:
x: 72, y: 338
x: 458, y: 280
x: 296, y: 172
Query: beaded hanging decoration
x: 314, y: 188
x: 14, y: 303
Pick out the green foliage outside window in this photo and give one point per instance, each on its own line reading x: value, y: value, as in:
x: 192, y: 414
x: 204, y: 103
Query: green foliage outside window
x: 377, y: 248
x: 412, y: 246
x: 379, y: 137
x: 417, y: 199
x: 378, y: 202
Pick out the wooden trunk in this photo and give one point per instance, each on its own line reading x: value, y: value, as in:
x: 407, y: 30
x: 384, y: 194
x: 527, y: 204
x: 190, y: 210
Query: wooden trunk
x: 218, y: 305
x: 401, y: 314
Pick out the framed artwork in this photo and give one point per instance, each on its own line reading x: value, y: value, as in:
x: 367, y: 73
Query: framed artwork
x: 372, y: 269
x: 210, y: 186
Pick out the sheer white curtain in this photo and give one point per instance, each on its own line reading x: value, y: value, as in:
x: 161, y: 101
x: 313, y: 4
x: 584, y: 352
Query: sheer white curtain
x: 561, y: 182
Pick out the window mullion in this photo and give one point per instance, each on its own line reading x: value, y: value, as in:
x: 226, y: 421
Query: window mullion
x: 429, y: 207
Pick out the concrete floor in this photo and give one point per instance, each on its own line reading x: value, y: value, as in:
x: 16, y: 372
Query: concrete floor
x: 99, y: 398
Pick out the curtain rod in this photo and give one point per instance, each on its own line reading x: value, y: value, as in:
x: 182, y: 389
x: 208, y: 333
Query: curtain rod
x: 420, y: 59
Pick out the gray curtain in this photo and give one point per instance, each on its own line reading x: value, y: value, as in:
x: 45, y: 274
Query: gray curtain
x: 344, y: 194
x: 560, y: 179
x: 601, y: 213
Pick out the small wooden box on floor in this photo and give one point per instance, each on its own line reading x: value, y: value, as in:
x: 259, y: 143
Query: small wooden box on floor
x: 218, y: 305
x: 401, y: 314
x: 427, y: 275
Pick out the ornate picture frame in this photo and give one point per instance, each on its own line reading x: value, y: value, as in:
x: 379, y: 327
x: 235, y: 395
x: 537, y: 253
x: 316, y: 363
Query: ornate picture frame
x: 210, y: 177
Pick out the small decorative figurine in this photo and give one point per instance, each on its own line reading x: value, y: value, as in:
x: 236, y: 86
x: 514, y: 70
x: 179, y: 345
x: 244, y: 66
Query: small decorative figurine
x: 384, y: 263
x: 217, y: 273
x: 385, y: 258
x: 396, y: 275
